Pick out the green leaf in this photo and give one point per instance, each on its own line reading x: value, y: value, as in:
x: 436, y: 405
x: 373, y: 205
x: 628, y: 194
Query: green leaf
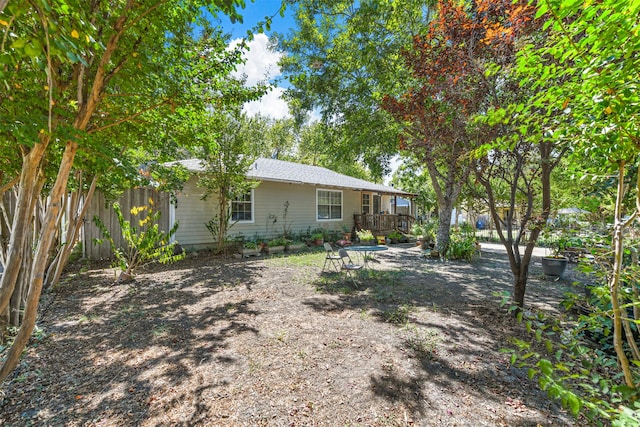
x: 573, y: 403
x: 546, y: 367
x: 19, y: 43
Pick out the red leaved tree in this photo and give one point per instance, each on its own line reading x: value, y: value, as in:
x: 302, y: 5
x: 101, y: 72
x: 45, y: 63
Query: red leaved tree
x: 450, y: 86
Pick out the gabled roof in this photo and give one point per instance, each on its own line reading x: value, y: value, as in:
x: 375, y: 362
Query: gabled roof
x: 296, y: 173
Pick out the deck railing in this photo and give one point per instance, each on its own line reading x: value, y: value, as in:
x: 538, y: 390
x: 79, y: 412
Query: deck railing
x: 384, y: 223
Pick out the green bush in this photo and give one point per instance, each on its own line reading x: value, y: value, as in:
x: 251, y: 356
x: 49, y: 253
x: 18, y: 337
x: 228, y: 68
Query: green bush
x: 280, y: 241
x: 461, y: 246
x: 573, y: 357
x: 427, y: 230
x: 395, y: 235
x: 364, y: 235
x: 317, y: 236
x: 249, y: 244
x: 144, y: 244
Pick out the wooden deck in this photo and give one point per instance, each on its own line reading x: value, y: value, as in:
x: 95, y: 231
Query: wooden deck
x: 384, y: 223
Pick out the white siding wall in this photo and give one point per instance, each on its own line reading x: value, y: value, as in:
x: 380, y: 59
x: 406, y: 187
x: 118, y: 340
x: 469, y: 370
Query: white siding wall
x: 192, y: 213
x: 269, y: 202
x: 352, y: 205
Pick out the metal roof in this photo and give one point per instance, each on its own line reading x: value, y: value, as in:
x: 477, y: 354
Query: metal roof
x: 296, y: 173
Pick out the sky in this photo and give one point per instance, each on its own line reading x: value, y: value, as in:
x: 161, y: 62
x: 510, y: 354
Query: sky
x: 261, y: 62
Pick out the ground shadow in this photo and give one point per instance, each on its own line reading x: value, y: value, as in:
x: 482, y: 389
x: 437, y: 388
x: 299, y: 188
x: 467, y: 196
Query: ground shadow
x: 464, y: 356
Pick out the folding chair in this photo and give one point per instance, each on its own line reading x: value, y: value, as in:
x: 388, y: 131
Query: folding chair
x: 331, y: 257
x: 347, y: 265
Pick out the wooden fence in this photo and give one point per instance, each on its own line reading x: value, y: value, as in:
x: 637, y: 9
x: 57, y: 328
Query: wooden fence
x: 104, y: 210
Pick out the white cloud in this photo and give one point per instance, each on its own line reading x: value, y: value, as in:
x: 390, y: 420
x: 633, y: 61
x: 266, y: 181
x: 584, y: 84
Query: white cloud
x: 261, y: 65
x: 270, y: 105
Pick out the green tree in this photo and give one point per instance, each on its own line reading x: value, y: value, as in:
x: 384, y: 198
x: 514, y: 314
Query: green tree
x: 228, y: 150
x: 318, y: 144
x: 340, y: 59
x: 281, y: 139
x: 593, y: 106
x: 71, y: 71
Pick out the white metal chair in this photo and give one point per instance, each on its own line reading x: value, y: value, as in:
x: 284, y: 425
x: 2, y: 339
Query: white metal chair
x: 348, y: 266
x: 331, y: 257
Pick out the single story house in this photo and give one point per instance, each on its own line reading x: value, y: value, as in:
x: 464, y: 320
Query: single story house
x: 289, y: 196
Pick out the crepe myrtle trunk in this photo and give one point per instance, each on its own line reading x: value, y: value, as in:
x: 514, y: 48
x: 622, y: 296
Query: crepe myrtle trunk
x: 37, y: 269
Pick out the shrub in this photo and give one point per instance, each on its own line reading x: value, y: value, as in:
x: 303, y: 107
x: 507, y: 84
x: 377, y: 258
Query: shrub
x: 583, y: 377
x: 427, y: 230
x: 143, y: 245
x: 249, y: 244
x: 280, y: 241
x: 364, y: 235
x: 395, y: 235
x: 461, y: 246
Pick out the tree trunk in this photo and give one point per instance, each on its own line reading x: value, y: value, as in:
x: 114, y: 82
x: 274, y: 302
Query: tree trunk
x: 39, y: 264
x: 444, y: 228
x: 19, y: 297
x: 6, y: 219
x: 76, y: 220
x: 615, y: 278
x: 27, y: 195
x: 223, y: 215
x: 519, y: 288
x: 447, y: 188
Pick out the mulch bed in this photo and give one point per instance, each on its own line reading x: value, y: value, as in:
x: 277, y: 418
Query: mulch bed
x: 274, y: 342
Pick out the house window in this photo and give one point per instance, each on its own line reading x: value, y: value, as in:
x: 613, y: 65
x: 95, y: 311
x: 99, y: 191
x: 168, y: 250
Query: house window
x: 366, y: 203
x: 329, y: 205
x: 242, y: 208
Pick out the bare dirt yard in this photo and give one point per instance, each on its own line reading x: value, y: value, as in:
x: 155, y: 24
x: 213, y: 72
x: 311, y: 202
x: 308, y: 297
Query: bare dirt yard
x: 273, y: 342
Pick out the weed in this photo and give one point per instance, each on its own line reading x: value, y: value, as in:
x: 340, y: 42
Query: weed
x: 159, y: 331
x: 87, y: 318
x: 281, y: 335
x: 399, y: 315
x: 382, y: 295
x: 254, y: 366
x: 423, y: 342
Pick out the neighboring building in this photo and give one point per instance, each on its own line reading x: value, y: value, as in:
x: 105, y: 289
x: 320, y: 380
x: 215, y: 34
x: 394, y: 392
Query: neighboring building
x: 313, y: 197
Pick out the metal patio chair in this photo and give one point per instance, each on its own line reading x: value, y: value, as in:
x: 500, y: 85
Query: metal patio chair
x: 348, y: 265
x: 331, y: 257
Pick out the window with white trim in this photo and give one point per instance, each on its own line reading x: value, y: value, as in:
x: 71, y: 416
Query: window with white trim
x: 242, y: 208
x: 329, y: 205
x: 366, y: 203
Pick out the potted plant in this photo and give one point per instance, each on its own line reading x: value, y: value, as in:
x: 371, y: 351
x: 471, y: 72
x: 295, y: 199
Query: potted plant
x: 346, y: 234
x: 317, y: 238
x: 365, y: 237
x: 556, y: 263
x: 394, y: 236
x: 429, y: 235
